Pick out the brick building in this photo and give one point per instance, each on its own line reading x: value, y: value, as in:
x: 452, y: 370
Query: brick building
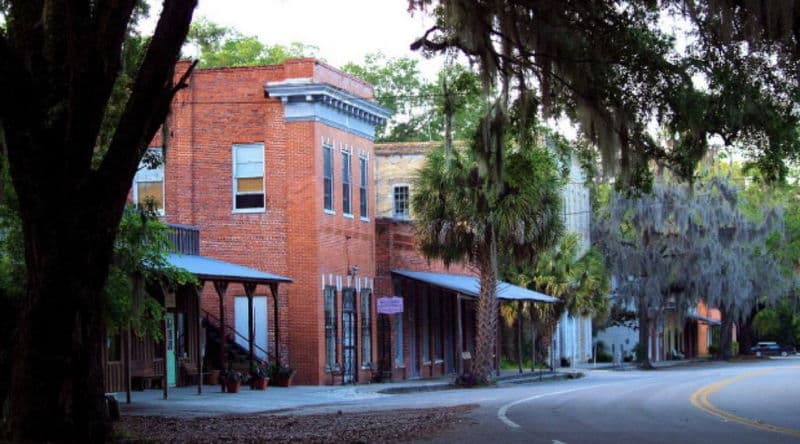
x: 435, y: 333
x: 274, y: 165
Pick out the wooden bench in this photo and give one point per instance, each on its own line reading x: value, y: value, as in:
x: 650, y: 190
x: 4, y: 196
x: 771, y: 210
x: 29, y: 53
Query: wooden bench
x: 145, y: 376
x: 189, y: 372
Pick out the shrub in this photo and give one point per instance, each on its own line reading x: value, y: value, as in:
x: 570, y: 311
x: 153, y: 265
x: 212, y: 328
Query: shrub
x: 603, y: 356
x: 466, y: 380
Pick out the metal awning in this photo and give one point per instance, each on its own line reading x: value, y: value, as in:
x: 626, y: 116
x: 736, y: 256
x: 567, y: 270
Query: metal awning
x: 709, y: 321
x: 206, y: 268
x: 470, y: 286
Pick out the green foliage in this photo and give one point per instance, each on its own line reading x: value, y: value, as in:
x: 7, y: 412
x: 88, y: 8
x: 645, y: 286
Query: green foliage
x: 578, y: 278
x: 451, y: 222
x: 419, y: 106
x: 613, y: 68
x: 507, y: 364
x: 140, y: 260
x: 779, y: 323
x: 133, y: 51
x: 221, y: 46
x: 400, y: 88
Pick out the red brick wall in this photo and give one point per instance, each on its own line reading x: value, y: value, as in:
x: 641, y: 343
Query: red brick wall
x: 293, y: 237
x: 341, y: 242
x: 397, y: 248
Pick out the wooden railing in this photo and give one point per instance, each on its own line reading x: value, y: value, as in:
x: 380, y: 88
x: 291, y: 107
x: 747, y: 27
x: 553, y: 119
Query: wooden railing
x: 231, y: 333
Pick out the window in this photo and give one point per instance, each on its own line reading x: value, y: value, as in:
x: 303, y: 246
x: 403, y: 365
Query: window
x: 366, y: 327
x: 148, y: 190
x: 330, y: 327
x: 346, y: 195
x: 362, y: 191
x: 327, y: 185
x: 401, y: 202
x: 248, y: 177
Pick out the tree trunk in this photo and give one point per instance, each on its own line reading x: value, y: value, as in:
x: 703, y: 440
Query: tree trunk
x: 58, y: 382
x: 642, y: 356
x: 726, y: 333
x: 60, y: 63
x: 486, y: 335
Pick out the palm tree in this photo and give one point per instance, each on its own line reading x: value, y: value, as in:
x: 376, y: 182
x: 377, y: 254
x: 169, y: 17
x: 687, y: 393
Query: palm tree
x: 580, y: 281
x: 500, y: 195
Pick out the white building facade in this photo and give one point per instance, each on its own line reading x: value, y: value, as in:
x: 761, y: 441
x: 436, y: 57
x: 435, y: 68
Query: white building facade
x: 572, y: 341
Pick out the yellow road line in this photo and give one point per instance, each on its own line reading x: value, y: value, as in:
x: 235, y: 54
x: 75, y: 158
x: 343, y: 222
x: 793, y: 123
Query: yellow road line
x: 700, y: 400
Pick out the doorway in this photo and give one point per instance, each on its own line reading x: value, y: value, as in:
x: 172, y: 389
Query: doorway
x: 259, y: 324
x: 171, y: 367
x: 349, y: 361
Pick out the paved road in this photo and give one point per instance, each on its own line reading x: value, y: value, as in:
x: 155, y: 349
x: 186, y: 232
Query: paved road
x: 754, y: 402
x: 743, y: 402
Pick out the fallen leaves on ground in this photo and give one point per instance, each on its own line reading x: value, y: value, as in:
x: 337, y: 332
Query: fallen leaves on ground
x: 353, y: 427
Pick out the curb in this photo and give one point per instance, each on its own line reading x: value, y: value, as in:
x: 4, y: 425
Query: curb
x: 507, y: 380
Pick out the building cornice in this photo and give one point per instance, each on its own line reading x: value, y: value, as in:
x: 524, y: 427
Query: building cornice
x: 305, y: 100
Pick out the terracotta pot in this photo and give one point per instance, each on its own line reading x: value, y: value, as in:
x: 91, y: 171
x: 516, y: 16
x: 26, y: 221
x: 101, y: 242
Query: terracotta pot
x: 259, y: 383
x: 233, y: 386
x: 212, y: 377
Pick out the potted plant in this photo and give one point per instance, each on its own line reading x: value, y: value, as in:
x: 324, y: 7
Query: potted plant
x: 281, y: 375
x: 259, y: 376
x: 231, y: 380
x: 210, y: 372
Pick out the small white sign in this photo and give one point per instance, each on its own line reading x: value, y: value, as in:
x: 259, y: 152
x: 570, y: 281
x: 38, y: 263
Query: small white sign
x: 390, y: 305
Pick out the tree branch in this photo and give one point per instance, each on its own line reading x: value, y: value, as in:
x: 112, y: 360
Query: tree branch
x: 147, y: 105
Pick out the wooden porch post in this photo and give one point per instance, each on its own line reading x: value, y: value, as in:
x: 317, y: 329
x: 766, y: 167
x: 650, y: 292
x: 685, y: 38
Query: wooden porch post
x: 519, y: 335
x: 460, y: 337
x: 128, y: 364
x: 533, y: 338
x: 498, y: 346
x: 249, y: 289
x: 222, y: 288
x: 197, y: 339
x: 273, y: 288
x: 165, y: 379
x: 431, y: 334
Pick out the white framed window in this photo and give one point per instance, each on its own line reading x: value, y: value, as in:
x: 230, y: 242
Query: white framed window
x: 347, y: 194
x: 400, y: 195
x: 148, y: 183
x: 362, y: 190
x: 248, y: 178
x: 327, y: 177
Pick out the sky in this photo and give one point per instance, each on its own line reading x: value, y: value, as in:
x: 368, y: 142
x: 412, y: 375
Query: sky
x: 343, y: 30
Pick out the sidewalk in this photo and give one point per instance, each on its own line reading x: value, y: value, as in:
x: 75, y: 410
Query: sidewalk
x: 633, y: 365
x: 186, y: 402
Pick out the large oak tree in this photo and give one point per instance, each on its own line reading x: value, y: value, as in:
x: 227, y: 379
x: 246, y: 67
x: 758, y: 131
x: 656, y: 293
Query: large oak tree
x: 60, y: 62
